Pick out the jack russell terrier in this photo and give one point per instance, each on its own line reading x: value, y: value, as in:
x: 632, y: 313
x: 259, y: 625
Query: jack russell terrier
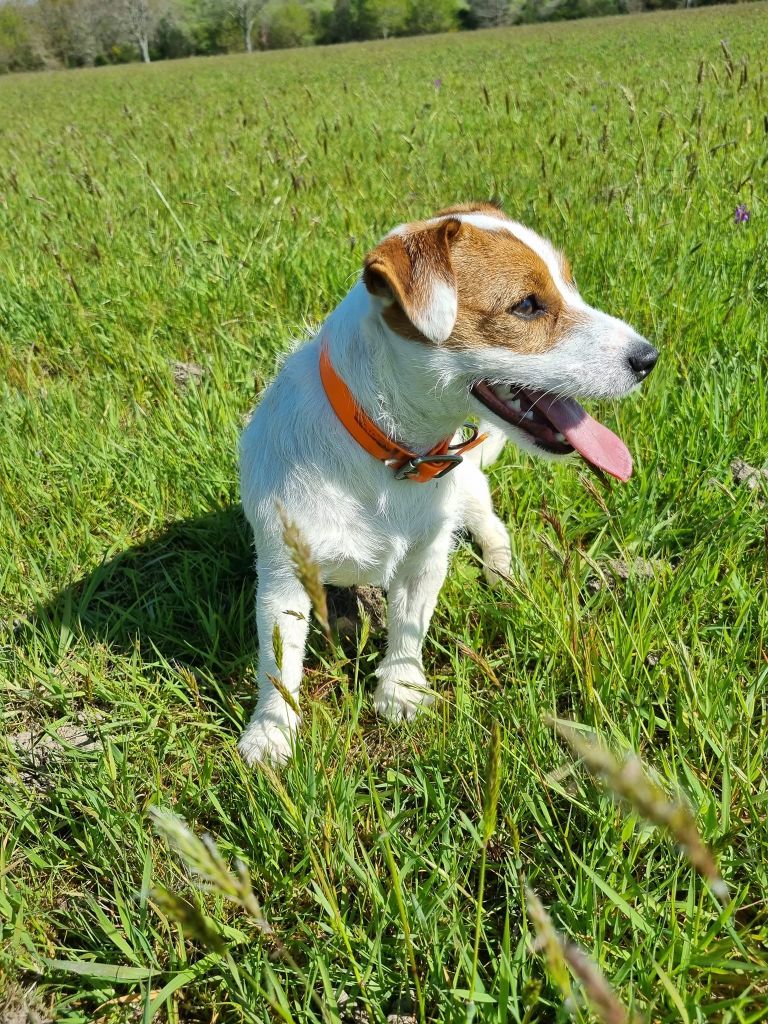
x: 359, y: 438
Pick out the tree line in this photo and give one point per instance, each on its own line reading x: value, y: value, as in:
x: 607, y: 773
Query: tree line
x: 37, y: 34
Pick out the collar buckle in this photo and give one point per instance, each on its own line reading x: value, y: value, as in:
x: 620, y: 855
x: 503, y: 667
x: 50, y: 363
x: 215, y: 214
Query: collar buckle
x: 466, y: 442
x: 411, y: 467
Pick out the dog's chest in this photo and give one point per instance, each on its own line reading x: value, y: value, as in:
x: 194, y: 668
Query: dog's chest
x: 370, y: 545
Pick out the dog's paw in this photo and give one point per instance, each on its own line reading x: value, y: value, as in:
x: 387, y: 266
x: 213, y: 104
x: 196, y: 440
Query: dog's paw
x: 267, y: 740
x: 497, y: 553
x: 401, y: 701
x: 497, y: 563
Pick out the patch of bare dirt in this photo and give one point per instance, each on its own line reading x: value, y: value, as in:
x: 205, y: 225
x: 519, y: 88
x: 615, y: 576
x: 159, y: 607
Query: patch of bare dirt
x: 186, y: 374
x: 20, y: 1007
x: 39, y: 750
x: 613, y: 571
x: 348, y: 605
x: 748, y: 476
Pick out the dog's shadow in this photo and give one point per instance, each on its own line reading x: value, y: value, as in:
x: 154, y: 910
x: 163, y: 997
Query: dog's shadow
x: 184, y: 597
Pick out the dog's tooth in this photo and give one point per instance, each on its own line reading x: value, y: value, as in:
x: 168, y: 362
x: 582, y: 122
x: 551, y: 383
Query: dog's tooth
x: 559, y: 436
x: 528, y: 415
x: 515, y: 405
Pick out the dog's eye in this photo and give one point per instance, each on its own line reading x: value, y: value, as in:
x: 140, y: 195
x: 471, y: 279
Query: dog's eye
x: 528, y: 308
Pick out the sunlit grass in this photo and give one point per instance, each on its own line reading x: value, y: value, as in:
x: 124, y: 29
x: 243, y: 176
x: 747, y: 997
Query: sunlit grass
x: 207, y: 212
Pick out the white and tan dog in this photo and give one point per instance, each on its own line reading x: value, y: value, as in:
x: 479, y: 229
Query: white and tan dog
x: 467, y: 314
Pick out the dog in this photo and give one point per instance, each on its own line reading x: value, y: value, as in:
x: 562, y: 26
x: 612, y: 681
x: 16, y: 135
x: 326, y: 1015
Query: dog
x: 360, y: 437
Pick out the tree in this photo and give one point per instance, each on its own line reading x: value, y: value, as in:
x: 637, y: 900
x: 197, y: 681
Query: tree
x: 340, y: 23
x: 208, y: 25
x: 287, y: 23
x: 138, y: 22
x: 435, y: 16
x: 385, y: 17
x: 67, y: 30
x: 20, y: 48
x: 245, y: 13
x: 142, y: 19
x: 490, y: 13
x: 79, y: 32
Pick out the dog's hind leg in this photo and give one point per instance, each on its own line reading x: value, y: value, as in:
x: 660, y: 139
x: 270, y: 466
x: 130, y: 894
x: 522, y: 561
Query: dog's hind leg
x: 411, y: 600
x: 484, y: 525
x: 280, y: 601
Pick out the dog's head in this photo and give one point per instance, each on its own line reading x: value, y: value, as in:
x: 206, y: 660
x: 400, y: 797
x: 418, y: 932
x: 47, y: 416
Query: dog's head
x: 502, y: 303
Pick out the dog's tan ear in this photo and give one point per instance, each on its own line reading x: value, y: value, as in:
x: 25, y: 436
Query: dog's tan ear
x: 414, y: 270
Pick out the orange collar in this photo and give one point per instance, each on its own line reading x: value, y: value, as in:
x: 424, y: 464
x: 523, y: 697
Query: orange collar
x: 407, y: 464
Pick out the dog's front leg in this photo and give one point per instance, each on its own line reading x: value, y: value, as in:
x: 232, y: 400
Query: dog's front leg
x: 484, y: 525
x: 411, y: 600
x: 280, y: 601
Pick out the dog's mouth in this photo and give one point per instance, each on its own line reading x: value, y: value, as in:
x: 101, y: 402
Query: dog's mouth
x: 559, y: 426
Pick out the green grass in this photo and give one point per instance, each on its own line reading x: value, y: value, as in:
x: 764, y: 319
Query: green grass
x: 208, y: 210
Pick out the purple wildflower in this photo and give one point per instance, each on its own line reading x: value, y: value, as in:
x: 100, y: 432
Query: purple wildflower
x: 741, y: 214
x: 438, y: 83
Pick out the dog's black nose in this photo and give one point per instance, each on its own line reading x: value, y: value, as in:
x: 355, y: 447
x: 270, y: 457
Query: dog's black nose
x: 643, y: 359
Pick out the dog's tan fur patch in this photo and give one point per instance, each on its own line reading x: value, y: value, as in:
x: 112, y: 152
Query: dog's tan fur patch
x: 406, y: 266
x: 491, y: 209
x: 492, y: 271
x: 565, y: 268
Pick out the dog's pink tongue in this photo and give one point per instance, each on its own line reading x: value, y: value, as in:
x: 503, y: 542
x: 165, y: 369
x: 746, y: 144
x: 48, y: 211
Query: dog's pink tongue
x: 594, y: 442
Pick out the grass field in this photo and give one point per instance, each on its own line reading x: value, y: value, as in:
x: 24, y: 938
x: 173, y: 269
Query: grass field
x: 206, y: 212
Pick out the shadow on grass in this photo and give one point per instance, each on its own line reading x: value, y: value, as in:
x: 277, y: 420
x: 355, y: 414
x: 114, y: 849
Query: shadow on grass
x: 186, y: 594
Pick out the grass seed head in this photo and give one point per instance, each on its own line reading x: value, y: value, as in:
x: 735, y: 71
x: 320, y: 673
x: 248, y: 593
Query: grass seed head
x: 548, y: 942
x: 307, y: 571
x: 193, y: 922
x: 629, y: 781
x: 492, y: 783
x: 561, y: 954
x: 604, y: 1002
x: 285, y: 693
x: 277, y: 647
x: 202, y: 859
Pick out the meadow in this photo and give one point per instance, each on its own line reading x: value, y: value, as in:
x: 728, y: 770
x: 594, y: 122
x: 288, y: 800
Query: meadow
x: 165, y: 232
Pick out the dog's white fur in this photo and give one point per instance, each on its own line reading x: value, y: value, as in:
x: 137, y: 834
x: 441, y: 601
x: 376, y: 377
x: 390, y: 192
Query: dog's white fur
x: 363, y: 525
